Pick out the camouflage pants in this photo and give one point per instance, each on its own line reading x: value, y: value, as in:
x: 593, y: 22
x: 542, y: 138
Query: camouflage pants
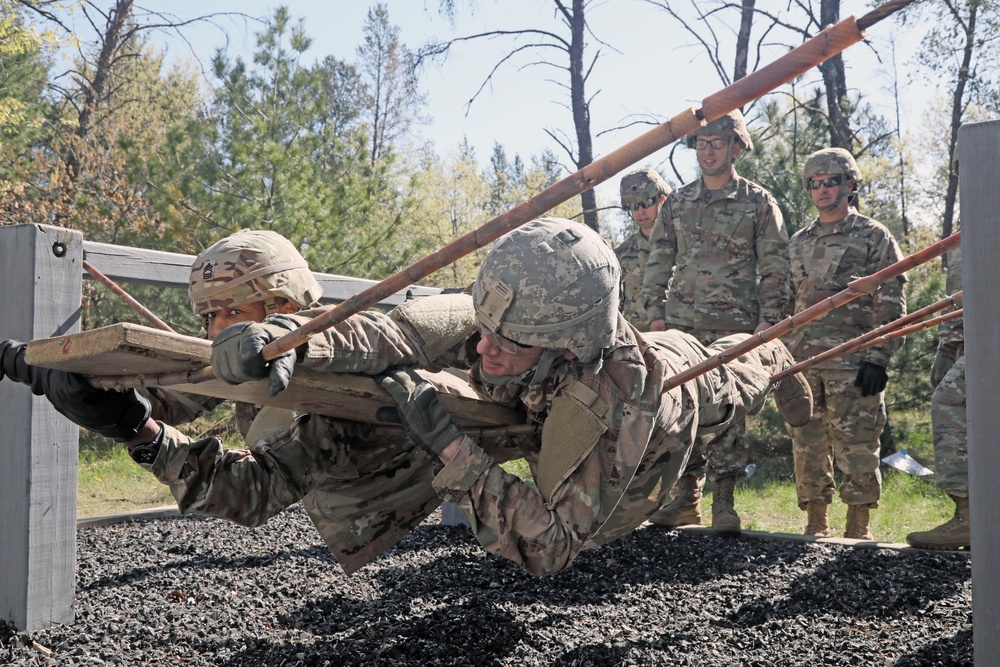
x: 722, y: 454
x: 845, y: 428
x: 951, y: 453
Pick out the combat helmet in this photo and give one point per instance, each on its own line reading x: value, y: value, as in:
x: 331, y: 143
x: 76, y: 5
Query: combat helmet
x: 639, y: 185
x: 551, y: 283
x: 733, y: 124
x: 251, y: 265
x: 831, y: 161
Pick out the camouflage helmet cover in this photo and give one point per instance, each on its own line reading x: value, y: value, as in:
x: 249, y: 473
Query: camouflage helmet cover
x: 831, y: 161
x: 248, y: 266
x: 733, y: 124
x: 551, y: 283
x: 640, y: 184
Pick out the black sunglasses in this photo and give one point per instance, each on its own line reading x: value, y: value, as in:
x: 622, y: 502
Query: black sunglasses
x: 828, y: 182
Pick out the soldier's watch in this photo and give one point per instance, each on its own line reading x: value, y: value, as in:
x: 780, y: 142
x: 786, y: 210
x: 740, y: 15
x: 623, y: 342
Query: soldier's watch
x: 146, y: 453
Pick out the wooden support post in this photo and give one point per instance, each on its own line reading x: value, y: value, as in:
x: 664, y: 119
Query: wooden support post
x: 41, y: 273
x: 980, y: 164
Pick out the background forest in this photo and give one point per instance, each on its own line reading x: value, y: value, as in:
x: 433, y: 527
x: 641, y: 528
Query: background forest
x: 99, y: 133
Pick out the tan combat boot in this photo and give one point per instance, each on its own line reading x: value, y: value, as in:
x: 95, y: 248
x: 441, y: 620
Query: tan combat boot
x: 725, y: 520
x: 955, y: 534
x: 816, y: 521
x: 684, y: 509
x: 857, y: 523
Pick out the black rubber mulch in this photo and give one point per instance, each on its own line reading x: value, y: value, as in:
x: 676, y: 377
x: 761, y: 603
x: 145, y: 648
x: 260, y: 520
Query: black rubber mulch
x: 190, y: 591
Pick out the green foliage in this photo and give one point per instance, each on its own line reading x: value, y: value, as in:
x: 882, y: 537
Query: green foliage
x: 278, y: 149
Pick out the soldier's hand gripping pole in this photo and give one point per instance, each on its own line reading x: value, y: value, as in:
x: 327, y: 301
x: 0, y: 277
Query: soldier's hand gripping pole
x: 881, y: 335
x: 855, y: 289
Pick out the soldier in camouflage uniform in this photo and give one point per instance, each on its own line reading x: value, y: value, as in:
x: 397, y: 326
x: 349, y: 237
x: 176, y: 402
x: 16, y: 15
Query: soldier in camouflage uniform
x: 552, y: 342
x: 951, y: 452
x: 643, y: 192
x: 839, y: 246
x: 328, y: 464
x: 719, y: 265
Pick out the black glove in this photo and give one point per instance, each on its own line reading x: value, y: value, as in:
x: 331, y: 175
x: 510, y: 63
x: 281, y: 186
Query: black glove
x: 871, y: 378
x: 12, y: 363
x: 417, y: 407
x: 114, y: 414
x: 236, y: 356
x: 944, y: 359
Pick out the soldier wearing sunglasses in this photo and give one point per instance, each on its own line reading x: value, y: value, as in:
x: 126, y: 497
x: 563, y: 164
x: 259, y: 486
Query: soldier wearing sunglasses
x: 718, y: 266
x: 643, y: 193
x: 840, y: 245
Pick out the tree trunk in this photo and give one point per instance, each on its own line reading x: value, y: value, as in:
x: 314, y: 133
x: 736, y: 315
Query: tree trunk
x: 957, y: 104
x: 743, y: 40
x: 835, y: 83
x: 94, y: 91
x: 581, y: 108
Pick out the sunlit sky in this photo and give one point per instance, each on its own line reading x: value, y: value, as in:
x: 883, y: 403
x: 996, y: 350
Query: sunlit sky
x: 649, y: 65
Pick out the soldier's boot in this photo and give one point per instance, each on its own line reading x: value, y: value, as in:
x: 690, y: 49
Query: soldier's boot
x: 954, y: 534
x: 685, y: 508
x: 857, y: 523
x: 725, y: 520
x: 816, y: 521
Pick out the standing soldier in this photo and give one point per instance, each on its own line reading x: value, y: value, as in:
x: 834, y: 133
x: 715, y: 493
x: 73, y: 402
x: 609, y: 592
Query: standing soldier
x: 951, y: 452
x: 719, y: 266
x: 849, y: 414
x: 643, y: 192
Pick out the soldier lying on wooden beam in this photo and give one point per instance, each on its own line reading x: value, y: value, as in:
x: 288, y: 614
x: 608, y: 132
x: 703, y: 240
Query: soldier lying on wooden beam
x: 541, y: 331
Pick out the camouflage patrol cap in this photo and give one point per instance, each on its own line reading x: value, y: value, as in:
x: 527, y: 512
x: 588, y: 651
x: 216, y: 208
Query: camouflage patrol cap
x: 733, y: 124
x: 640, y: 184
x: 831, y: 161
x: 552, y: 283
x: 251, y: 265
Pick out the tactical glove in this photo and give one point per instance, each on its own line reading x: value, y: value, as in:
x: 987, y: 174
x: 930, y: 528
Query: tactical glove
x: 12, y: 364
x: 236, y: 356
x: 944, y: 359
x: 872, y: 378
x: 113, y: 414
x: 429, y: 425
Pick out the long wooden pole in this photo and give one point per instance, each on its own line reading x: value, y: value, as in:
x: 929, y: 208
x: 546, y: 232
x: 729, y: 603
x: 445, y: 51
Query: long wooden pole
x: 855, y: 289
x: 796, y: 62
x: 828, y: 43
x: 126, y: 297
x: 860, y: 342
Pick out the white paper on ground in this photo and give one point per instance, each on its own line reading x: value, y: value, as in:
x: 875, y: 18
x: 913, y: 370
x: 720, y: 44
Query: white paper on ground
x: 903, y: 461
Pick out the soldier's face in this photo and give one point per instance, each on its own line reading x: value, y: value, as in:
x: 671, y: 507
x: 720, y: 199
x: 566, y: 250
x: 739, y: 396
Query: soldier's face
x: 218, y: 320
x: 499, y: 362
x: 827, y: 193
x: 645, y: 217
x: 712, y: 160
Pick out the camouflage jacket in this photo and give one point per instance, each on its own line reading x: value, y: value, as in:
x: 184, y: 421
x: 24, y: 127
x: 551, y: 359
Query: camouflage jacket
x: 611, y: 443
x: 633, y: 254
x: 953, y: 331
x: 363, y: 490
x: 718, y: 264
x: 825, y: 258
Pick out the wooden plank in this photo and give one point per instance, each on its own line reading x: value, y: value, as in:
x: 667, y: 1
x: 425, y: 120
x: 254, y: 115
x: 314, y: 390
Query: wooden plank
x: 171, y: 269
x: 127, y: 349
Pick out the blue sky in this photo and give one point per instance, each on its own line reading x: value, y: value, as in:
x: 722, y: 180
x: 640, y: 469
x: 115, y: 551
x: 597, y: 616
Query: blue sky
x: 649, y: 65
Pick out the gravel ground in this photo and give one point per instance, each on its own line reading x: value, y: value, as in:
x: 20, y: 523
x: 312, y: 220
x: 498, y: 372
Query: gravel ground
x: 191, y: 591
